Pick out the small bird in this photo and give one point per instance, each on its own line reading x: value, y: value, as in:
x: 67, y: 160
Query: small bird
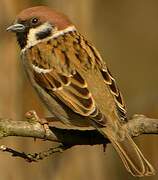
x: 73, y: 81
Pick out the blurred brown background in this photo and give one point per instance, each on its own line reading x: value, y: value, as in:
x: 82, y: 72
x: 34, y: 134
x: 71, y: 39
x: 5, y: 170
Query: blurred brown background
x: 126, y: 34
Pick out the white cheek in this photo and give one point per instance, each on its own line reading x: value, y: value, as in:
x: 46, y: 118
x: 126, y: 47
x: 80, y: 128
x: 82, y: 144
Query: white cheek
x: 32, y: 39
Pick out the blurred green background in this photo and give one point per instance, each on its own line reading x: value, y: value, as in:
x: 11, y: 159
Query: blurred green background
x: 126, y: 34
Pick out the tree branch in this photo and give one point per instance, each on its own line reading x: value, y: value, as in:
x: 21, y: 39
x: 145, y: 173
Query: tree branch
x: 72, y: 135
x: 141, y: 124
x: 68, y: 136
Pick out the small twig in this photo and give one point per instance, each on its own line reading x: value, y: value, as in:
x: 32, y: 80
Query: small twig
x: 34, y: 157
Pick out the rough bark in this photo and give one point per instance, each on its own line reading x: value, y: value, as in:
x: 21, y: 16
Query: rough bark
x: 138, y: 125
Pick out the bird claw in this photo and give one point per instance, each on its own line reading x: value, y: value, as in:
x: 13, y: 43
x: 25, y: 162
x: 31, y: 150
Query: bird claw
x: 32, y: 115
x: 104, y: 147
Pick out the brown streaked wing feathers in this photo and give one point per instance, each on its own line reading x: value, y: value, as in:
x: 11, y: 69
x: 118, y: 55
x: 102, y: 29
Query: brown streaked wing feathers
x: 120, y: 105
x: 78, y: 98
x: 110, y: 81
x: 69, y: 87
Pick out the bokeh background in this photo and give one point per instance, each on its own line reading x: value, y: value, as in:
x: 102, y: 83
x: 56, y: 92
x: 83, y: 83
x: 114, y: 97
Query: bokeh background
x: 126, y: 34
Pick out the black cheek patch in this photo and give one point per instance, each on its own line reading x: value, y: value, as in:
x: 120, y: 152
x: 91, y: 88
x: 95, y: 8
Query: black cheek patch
x: 43, y: 34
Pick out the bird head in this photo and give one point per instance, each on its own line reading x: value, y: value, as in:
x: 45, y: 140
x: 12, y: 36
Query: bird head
x: 38, y: 23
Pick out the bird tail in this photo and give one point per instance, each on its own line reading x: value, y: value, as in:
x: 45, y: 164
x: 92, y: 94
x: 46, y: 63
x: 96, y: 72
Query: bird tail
x: 130, y: 154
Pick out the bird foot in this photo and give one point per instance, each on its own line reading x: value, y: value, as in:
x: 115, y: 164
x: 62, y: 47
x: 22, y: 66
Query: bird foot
x: 32, y: 115
x: 104, y: 147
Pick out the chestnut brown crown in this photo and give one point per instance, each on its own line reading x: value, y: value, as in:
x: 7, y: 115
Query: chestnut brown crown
x: 44, y: 14
x: 37, y: 23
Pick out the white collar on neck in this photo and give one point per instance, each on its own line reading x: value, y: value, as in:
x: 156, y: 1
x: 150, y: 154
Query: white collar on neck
x: 32, y: 35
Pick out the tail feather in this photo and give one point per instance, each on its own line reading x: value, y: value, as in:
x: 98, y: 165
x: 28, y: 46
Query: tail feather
x: 130, y: 154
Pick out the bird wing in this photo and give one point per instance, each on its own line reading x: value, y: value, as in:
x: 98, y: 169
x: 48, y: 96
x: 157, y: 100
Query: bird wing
x: 54, y: 70
x: 111, y: 83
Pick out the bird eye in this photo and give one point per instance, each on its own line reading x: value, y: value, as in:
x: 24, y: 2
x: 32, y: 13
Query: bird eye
x: 34, y: 20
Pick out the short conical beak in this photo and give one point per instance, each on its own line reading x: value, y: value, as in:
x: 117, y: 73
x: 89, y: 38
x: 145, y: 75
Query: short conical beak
x: 16, y: 28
